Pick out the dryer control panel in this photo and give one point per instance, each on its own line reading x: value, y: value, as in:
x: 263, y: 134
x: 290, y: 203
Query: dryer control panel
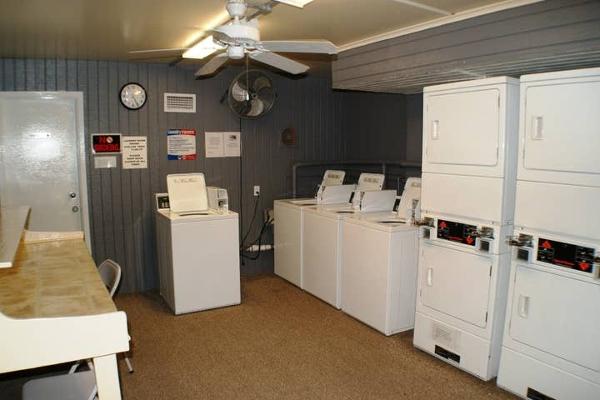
x: 566, y: 255
x: 457, y: 232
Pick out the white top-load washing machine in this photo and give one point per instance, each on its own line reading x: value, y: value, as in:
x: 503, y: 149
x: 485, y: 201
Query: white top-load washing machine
x: 379, y: 264
x: 288, y: 214
x: 550, y: 346
x: 198, y: 249
x: 322, y: 236
x: 467, y: 206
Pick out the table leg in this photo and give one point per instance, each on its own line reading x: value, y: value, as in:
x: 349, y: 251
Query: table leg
x: 107, y: 377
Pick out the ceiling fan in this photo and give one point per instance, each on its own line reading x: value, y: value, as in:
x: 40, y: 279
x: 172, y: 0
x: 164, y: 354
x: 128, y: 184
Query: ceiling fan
x: 241, y: 37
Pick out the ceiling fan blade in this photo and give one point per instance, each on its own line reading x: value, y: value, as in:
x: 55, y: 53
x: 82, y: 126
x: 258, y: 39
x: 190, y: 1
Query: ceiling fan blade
x: 157, y: 50
x: 295, y: 3
x: 300, y: 46
x: 221, y: 36
x: 279, y: 62
x: 214, y: 64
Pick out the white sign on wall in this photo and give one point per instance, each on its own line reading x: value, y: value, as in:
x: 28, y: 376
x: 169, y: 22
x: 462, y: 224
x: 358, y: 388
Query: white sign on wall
x: 222, y: 144
x: 213, y: 144
x: 135, y: 152
x: 232, y: 144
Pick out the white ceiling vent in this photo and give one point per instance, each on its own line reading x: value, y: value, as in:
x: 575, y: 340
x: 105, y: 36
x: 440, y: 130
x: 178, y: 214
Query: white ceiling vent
x: 180, y: 102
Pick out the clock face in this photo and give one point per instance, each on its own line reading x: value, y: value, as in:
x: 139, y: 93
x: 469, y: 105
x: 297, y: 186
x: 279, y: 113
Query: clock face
x: 133, y: 96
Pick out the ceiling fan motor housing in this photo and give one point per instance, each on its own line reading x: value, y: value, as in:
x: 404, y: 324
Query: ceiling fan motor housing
x: 238, y: 34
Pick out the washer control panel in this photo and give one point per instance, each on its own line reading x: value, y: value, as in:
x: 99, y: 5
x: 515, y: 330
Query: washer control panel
x: 457, y: 232
x: 566, y: 255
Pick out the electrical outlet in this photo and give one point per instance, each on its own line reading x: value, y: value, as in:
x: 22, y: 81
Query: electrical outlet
x: 256, y: 190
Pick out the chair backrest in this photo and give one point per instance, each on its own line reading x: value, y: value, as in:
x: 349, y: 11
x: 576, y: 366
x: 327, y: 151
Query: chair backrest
x: 110, y: 272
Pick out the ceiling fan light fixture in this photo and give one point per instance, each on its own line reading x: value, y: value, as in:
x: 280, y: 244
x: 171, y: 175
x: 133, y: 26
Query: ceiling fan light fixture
x: 202, y: 49
x: 235, y: 52
x: 295, y: 3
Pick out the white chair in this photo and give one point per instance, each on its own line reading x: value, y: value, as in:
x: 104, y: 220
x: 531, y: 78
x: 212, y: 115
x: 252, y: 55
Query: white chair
x: 76, y: 385
x: 110, y: 272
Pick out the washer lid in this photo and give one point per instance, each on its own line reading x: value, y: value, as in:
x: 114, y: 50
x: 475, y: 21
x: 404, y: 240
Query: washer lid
x: 187, y: 192
x: 188, y: 217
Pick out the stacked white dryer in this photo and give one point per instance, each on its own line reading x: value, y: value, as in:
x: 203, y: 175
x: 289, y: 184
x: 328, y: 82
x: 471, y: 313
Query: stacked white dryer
x: 469, y: 169
x: 551, y: 344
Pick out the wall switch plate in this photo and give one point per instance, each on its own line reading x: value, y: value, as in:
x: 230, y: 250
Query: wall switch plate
x: 256, y: 190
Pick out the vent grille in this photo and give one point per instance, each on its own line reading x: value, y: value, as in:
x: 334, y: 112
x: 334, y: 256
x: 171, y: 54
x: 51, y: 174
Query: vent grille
x: 180, y: 102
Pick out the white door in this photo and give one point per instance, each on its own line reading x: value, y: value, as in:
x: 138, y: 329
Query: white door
x: 557, y: 315
x: 561, y: 128
x: 42, y: 158
x: 455, y: 283
x: 463, y: 128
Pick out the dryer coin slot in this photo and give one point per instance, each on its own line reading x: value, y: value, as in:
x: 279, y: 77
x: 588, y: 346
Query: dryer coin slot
x: 524, y: 255
x: 485, y: 245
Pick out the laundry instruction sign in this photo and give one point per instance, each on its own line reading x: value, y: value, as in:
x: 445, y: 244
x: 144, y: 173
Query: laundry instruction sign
x: 181, y: 144
x: 222, y: 144
x: 135, y: 152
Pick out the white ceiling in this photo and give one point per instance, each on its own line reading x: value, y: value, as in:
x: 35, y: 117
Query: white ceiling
x: 109, y: 29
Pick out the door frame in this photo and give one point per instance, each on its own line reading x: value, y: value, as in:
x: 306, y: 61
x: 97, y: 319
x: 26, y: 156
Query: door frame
x: 80, y: 141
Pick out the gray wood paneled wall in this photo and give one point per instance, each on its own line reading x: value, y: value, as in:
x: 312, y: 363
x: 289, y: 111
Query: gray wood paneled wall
x: 121, y: 201
x: 363, y: 117
x: 544, y: 36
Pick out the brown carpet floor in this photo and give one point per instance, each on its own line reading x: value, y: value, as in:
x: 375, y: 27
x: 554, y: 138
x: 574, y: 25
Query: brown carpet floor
x: 281, y: 343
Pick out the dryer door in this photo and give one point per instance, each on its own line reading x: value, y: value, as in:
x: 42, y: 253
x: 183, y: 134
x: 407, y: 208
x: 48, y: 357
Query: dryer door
x: 462, y: 128
x: 557, y: 315
x: 455, y: 283
x: 561, y: 130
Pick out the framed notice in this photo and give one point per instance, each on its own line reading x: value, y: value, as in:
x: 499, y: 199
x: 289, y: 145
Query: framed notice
x: 106, y: 143
x: 181, y: 144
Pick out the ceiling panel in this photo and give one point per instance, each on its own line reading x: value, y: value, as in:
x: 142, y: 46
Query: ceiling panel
x: 109, y: 29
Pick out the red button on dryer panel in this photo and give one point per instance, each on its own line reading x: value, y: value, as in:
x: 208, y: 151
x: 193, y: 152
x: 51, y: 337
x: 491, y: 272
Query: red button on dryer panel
x: 584, y: 266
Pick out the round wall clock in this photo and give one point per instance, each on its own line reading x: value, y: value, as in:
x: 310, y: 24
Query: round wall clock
x: 133, y: 96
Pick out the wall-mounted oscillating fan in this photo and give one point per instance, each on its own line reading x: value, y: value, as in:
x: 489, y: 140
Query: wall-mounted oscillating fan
x: 251, y: 94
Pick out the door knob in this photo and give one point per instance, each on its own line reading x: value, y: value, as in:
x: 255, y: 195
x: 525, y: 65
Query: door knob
x: 72, y: 195
x: 75, y: 209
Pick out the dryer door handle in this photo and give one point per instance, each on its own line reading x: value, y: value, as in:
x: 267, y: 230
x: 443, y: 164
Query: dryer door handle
x: 523, y: 306
x: 429, y: 276
x: 537, y: 127
x: 435, y: 129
